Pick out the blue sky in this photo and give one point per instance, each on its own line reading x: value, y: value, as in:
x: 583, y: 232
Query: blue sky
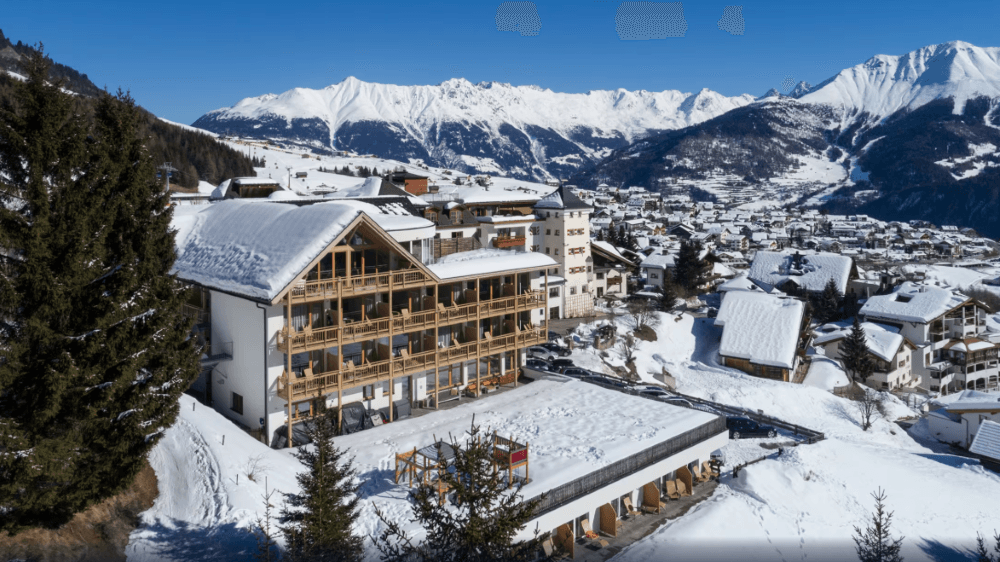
x: 181, y: 59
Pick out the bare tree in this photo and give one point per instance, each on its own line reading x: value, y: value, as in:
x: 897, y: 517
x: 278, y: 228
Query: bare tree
x: 643, y: 314
x: 869, y: 406
x: 628, y: 346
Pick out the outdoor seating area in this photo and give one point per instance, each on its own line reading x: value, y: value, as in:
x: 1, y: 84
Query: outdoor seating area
x: 426, y: 465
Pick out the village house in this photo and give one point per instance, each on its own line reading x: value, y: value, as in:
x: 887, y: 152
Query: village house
x: 890, y: 353
x: 799, y: 274
x: 761, y: 334
x: 956, y: 419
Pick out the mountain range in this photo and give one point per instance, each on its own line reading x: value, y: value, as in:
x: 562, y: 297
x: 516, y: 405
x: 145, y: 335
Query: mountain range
x: 520, y: 131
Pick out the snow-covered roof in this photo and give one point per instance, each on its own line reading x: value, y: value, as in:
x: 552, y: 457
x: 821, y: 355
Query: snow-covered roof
x: 760, y: 327
x: 659, y: 261
x: 987, y: 441
x: 556, y: 419
x: 256, y: 248
x: 883, y: 341
x: 562, y: 198
x: 912, y: 302
x: 487, y: 261
x: 970, y: 400
x: 739, y: 283
x: 810, y: 272
x: 968, y: 345
x: 497, y: 219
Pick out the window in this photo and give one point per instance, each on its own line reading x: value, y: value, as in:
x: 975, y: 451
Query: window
x: 534, y: 248
x: 431, y: 216
x: 547, y: 251
x: 588, y: 269
x: 456, y: 234
x: 480, y: 212
x: 557, y: 251
x: 547, y: 214
x: 572, y: 290
x: 557, y: 214
x: 554, y: 271
x: 534, y: 230
x: 654, y: 275
x: 548, y: 231
x: 600, y: 276
x: 237, y: 405
x: 368, y: 392
x: 554, y: 292
x: 557, y: 232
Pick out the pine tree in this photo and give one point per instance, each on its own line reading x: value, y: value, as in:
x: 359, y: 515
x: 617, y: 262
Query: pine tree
x: 317, y: 522
x: 691, y: 270
x: 982, y: 553
x: 875, y: 542
x: 96, y: 350
x: 827, y: 304
x: 600, y: 235
x: 479, y: 526
x: 669, y: 299
x: 854, y: 353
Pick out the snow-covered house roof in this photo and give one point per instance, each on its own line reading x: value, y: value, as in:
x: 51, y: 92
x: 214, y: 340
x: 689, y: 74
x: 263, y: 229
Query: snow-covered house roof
x: 912, y: 302
x: 883, y: 341
x: 739, y: 283
x: 658, y: 261
x: 562, y: 198
x: 987, y: 440
x: 761, y: 328
x: 487, y: 261
x: 970, y: 400
x: 256, y: 248
x: 610, y: 251
x: 809, y: 272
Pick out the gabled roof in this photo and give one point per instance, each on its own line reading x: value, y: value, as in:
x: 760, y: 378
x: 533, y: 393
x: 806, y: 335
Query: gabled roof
x: 810, y: 272
x: 562, y: 198
x: 987, y: 441
x: 913, y: 303
x: 761, y: 328
x: 255, y: 249
x: 608, y: 251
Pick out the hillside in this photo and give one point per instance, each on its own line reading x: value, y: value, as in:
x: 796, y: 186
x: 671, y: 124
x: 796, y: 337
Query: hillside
x: 490, y: 127
x: 196, y: 154
x: 920, y: 128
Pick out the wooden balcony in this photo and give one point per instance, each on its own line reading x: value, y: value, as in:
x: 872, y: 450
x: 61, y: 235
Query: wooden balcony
x: 508, y: 241
x: 306, y: 291
x: 351, y: 376
x: 322, y: 338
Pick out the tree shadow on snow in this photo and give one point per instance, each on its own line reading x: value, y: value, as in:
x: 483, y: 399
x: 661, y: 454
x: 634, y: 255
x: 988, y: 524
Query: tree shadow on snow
x: 192, y: 543
x: 376, y: 482
x: 706, y: 341
x: 940, y: 552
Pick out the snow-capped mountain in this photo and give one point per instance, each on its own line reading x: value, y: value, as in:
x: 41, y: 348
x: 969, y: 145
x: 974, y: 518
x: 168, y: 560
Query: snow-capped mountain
x: 522, y: 131
x: 885, y: 84
x: 920, y: 128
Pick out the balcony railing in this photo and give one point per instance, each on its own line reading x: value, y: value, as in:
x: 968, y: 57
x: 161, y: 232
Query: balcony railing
x: 508, y: 241
x: 360, y: 284
x: 352, y: 376
x: 322, y: 338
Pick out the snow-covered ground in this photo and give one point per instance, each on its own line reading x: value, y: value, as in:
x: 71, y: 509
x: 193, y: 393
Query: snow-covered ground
x: 799, y: 506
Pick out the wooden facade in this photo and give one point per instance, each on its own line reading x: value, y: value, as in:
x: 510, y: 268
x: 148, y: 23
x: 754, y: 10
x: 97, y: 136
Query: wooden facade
x: 366, y: 311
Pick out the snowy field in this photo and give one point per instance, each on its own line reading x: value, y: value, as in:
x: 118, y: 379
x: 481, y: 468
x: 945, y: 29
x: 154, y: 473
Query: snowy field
x: 799, y: 506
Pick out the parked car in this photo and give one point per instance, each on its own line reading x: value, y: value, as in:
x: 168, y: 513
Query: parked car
x: 746, y: 427
x: 575, y: 372
x: 536, y: 368
x: 655, y: 393
x: 561, y: 363
x: 554, y: 348
x: 678, y: 401
x: 543, y: 353
x: 554, y: 335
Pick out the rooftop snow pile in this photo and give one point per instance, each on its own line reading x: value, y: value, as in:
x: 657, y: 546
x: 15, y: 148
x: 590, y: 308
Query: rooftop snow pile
x: 256, y: 248
x: 761, y: 328
x: 487, y: 261
x: 810, y: 272
x: 883, y: 341
x: 912, y: 303
x: 658, y: 261
x: 556, y: 419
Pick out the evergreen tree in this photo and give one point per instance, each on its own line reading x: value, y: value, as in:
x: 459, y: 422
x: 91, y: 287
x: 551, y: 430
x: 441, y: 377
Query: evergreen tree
x: 691, y: 270
x: 613, y: 235
x: 827, y: 304
x: 481, y: 524
x: 669, y: 299
x: 854, y: 353
x: 95, y: 348
x: 600, y: 235
x: 875, y: 542
x: 318, y: 520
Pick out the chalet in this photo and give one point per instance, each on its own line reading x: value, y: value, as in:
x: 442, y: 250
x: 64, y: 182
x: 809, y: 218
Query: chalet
x: 956, y: 419
x: 939, y: 322
x: 890, y: 353
x: 655, y: 268
x: 247, y: 188
x: 761, y: 334
x: 611, y: 269
x: 801, y: 273
x: 413, y: 183
x: 338, y: 302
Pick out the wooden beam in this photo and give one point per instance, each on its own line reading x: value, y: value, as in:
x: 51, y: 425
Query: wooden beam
x: 391, y: 325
